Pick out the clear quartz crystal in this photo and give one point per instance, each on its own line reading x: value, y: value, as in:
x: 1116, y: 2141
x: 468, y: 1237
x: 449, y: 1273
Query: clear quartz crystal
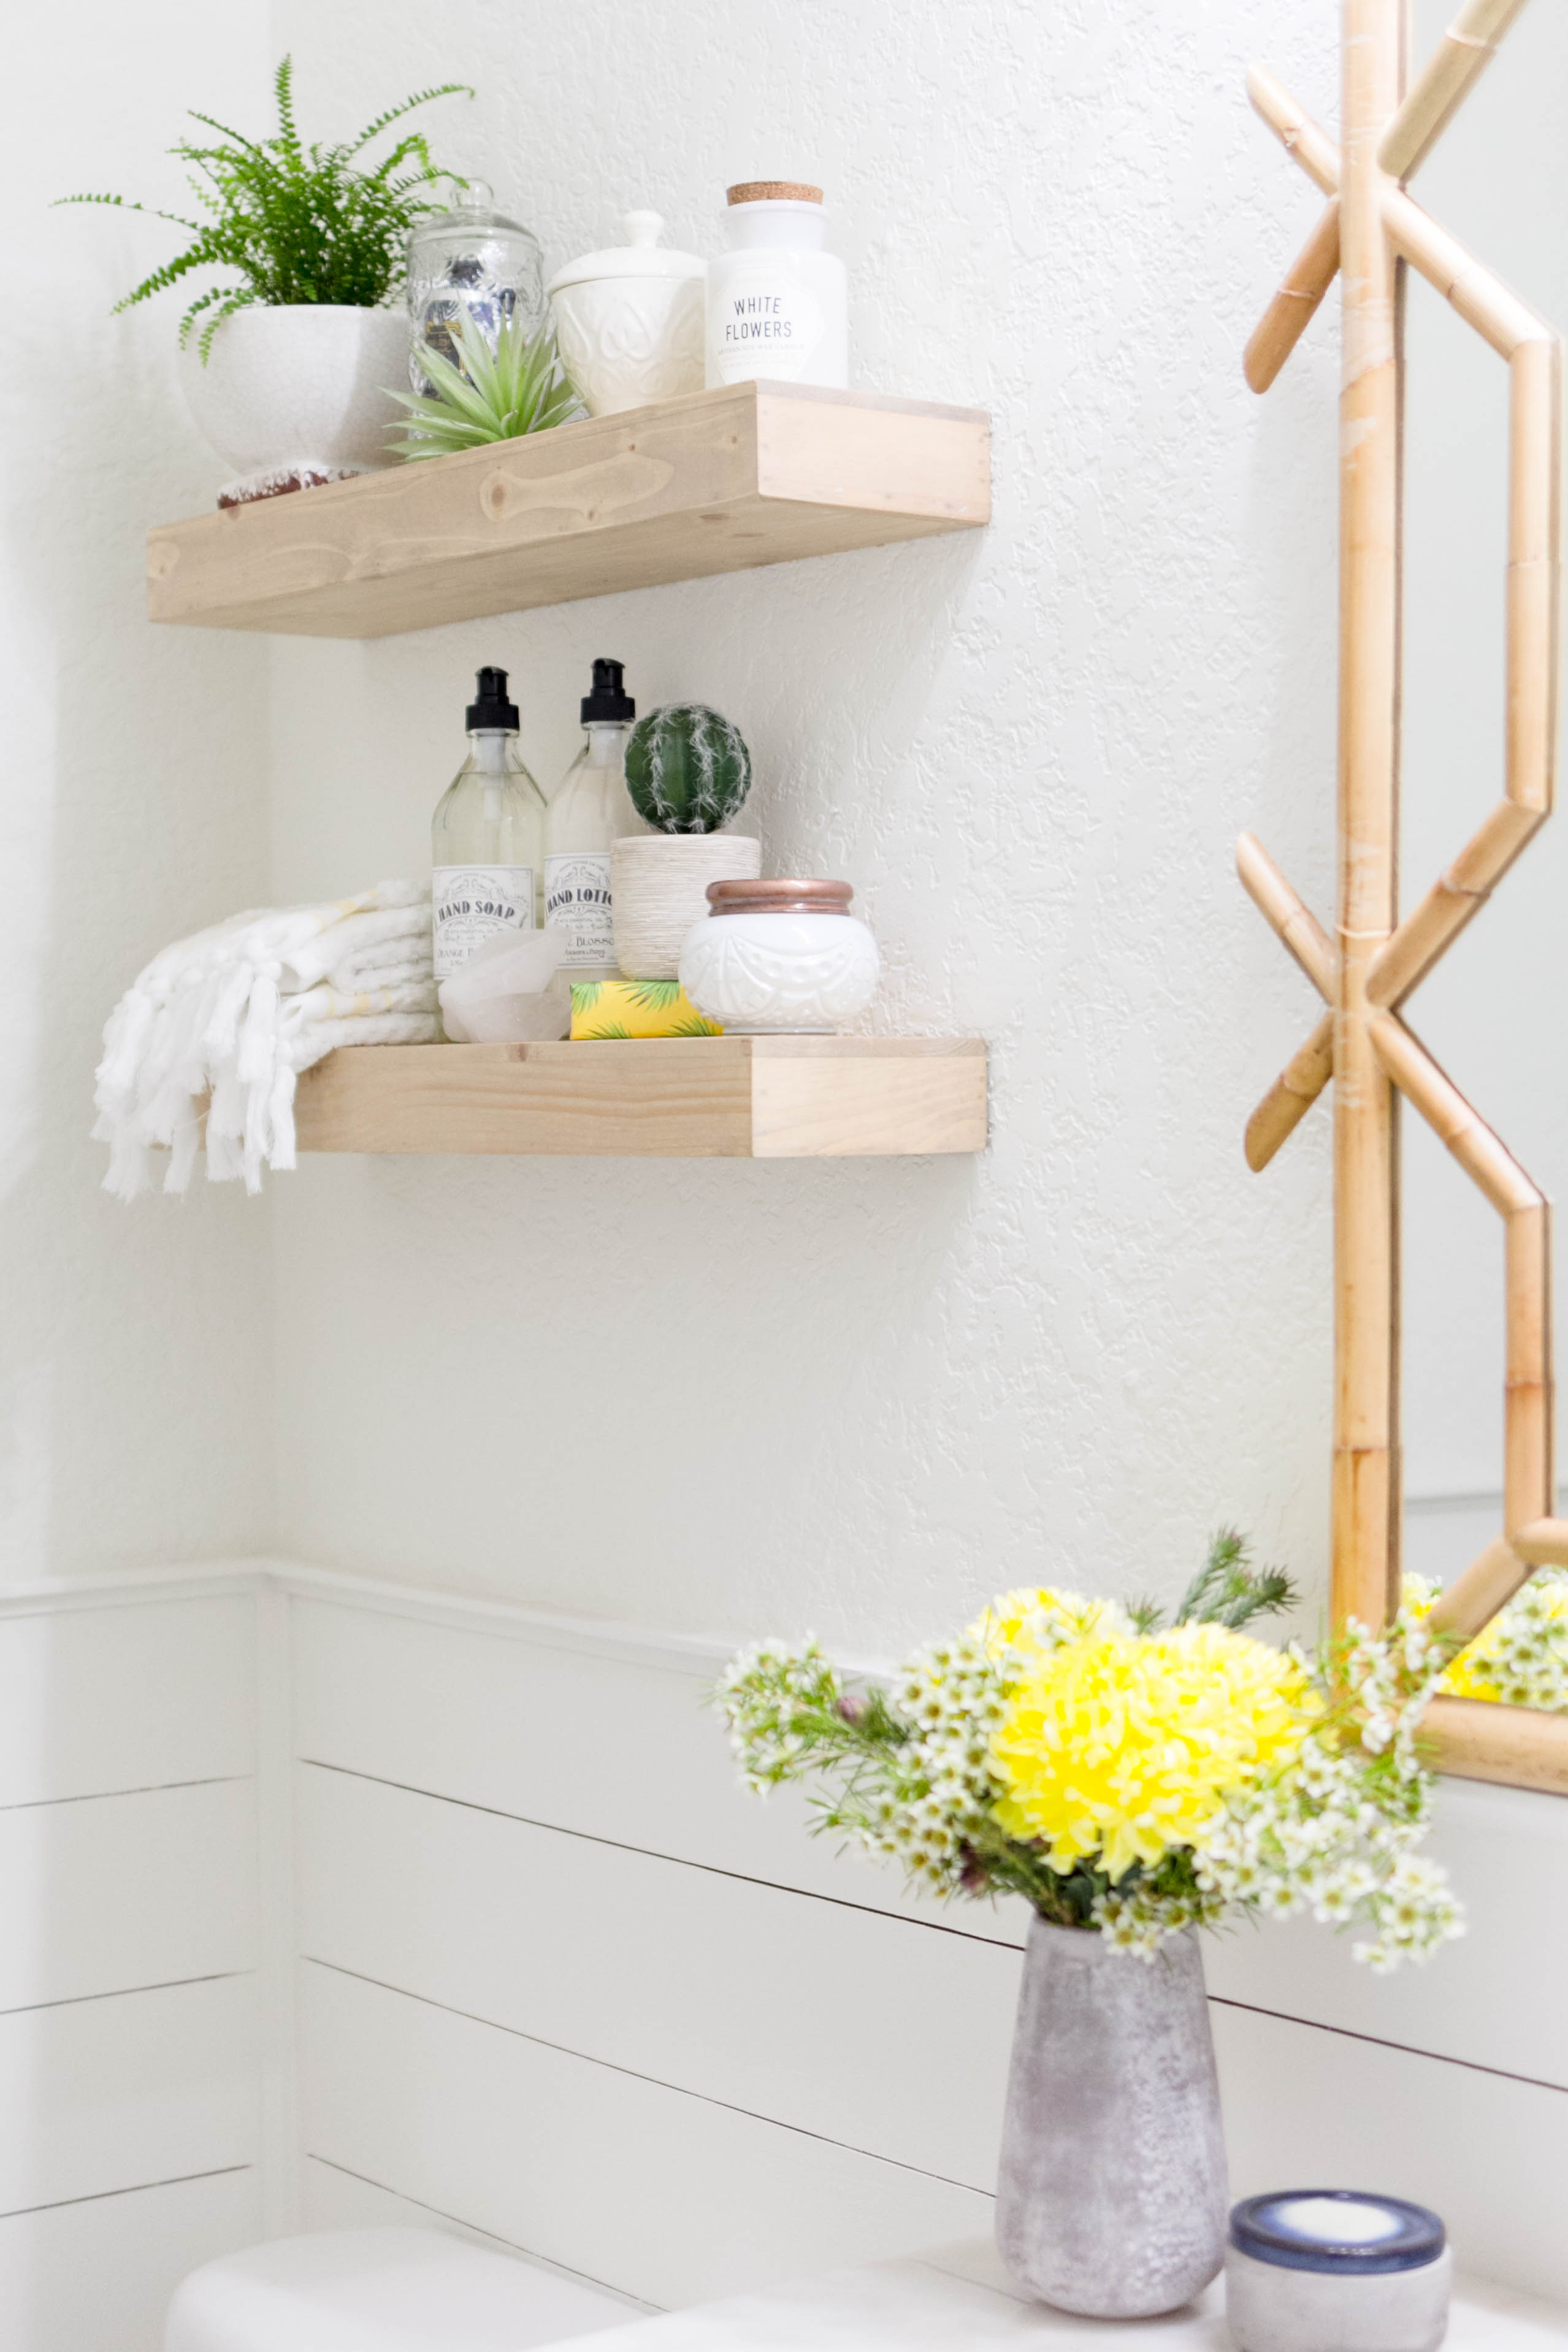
x: 591, y: 810
x: 486, y: 847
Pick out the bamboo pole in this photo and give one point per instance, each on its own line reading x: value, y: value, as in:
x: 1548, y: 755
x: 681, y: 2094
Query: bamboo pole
x: 1463, y: 54
x: 1483, y: 301
x: 1425, y: 1085
x: 1291, y: 1096
x: 1474, y: 1598
x: 1530, y: 1479
x: 1311, y: 145
x: 1428, y: 933
x: 1307, y: 280
x: 1534, y: 571
x: 1366, y: 1484
x: 1288, y: 915
x: 1513, y: 1744
x: 1544, y: 1543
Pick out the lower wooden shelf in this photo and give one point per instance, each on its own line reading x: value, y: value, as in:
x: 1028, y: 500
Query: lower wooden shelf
x: 665, y: 1097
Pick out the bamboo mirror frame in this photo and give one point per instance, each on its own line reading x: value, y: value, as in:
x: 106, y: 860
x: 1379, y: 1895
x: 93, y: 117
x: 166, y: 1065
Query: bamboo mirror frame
x: 1370, y: 232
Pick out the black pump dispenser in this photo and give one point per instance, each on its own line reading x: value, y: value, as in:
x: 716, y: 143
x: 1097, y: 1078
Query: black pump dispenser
x: 490, y: 710
x: 609, y: 702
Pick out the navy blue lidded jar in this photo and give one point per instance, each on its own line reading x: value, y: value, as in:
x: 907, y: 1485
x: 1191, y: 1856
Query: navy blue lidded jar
x: 1311, y: 2267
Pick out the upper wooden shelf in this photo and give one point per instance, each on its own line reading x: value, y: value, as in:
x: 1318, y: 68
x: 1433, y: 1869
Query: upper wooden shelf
x: 666, y: 1097
x: 716, y: 481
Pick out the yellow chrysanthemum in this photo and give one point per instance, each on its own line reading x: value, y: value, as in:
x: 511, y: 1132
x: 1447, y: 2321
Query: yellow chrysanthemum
x: 1124, y: 1745
x: 1007, y: 1621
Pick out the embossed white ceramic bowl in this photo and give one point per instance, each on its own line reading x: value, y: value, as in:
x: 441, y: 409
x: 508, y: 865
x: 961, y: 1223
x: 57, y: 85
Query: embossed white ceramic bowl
x: 780, y: 974
x: 630, y: 320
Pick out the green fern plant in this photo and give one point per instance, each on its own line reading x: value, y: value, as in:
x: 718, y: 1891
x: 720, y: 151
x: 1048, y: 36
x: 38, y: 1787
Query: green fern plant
x: 688, y: 769
x: 296, y: 223
x: 492, y: 396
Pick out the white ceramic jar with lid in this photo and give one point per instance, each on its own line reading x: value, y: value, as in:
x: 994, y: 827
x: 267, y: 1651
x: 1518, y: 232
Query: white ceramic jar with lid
x: 1311, y: 2269
x: 778, y: 302
x: 629, y: 319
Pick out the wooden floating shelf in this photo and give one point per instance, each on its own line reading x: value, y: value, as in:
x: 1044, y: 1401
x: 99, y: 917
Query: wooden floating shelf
x: 716, y: 481
x: 664, y: 1097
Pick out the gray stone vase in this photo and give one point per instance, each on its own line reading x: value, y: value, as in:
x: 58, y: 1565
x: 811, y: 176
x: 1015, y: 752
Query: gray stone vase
x: 1111, y: 2195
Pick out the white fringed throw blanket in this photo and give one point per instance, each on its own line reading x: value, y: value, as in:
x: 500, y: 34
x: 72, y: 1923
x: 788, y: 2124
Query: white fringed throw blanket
x: 228, y: 1020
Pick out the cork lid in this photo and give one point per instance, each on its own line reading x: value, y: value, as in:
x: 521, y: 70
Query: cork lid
x: 773, y: 192
x: 785, y: 896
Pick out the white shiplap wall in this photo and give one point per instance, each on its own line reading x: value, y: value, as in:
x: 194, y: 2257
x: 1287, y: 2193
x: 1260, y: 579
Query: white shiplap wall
x: 128, y: 2061
x: 561, y: 1982
x: 530, y: 1966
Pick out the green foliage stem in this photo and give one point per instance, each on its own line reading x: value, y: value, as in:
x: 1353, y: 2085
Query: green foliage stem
x: 490, y: 396
x: 295, y: 223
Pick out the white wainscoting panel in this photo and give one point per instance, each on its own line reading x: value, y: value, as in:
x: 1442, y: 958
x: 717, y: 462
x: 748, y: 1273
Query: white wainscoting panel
x: 137, y: 1694
x: 129, y: 1939
x: 124, y: 2091
x: 600, y: 1744
x: 98, y: 2277
x: 591, y: 1879
x: 818, y: 2015
x: 113, y: 1893
x: 1308, y: 2108
x: 331, y: 2199
x: 666, y: 2196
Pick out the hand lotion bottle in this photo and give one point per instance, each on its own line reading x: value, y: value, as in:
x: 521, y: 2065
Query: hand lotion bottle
x: 591, y: 810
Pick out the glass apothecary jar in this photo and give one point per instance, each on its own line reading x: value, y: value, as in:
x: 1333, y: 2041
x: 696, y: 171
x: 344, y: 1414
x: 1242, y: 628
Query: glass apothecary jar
x: 471, y: 262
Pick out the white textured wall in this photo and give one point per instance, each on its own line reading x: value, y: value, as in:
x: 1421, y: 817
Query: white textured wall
x: 135, y: 1394
x: 859, y: 1396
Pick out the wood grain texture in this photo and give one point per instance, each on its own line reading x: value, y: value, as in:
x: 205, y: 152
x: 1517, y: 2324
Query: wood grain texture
x: 665, y: 1097
x: 727, y: 480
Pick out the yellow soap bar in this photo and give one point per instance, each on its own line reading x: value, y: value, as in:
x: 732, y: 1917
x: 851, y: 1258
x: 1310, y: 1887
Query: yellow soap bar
x: 637, y: 1008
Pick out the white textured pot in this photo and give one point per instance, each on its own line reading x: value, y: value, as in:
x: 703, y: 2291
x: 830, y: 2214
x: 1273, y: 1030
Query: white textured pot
x: 799, y: 973
x: 658, y: 883
x: 297, y: 393
x: 1111, y: 2198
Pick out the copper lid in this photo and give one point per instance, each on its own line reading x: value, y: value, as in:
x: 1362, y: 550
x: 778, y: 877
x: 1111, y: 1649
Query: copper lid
x: 785, y: 896
x: 773, y: 192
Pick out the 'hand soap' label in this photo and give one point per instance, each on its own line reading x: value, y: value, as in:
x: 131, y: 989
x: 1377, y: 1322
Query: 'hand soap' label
x: 576, y: 901
x: 469, y: 904
x: 768, y: 323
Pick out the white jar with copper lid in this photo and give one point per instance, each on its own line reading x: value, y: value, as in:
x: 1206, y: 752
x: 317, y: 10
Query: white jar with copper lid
x: 777, y: 303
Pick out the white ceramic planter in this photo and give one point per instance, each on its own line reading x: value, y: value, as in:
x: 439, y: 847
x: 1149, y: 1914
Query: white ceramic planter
x: 658, y: 883
x: 628, y: 321
x: 780, y: 971
x: 297, y: 393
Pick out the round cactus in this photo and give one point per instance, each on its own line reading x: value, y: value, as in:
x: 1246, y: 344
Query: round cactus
x: 688, y: 769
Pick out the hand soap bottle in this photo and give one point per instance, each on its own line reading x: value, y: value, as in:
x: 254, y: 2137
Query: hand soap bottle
x: 487, y: 841
x: 591, y: 810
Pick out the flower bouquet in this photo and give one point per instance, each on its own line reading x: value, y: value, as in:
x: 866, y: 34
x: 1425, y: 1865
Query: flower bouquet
x: 1133, y: 1780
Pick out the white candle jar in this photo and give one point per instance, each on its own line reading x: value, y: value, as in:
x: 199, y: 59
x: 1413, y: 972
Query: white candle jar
x: 629, y: 319
x: 779, y: 959
x: 778, y: 305
x: 1308, y: 2269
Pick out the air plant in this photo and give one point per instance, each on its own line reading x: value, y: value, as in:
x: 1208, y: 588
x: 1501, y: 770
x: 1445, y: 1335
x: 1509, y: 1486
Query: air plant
x: 491, y: 396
